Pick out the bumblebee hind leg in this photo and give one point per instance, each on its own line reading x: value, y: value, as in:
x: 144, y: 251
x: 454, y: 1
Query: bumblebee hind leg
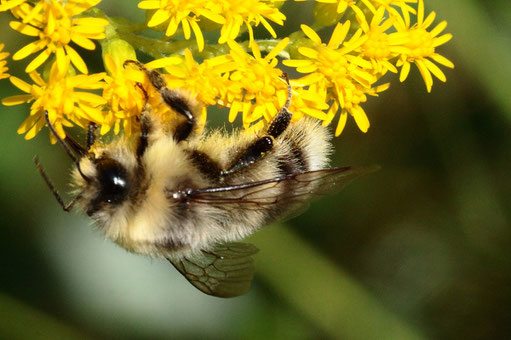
x: 261, y: 146
x: 173, y: 99
x: 145, y: 126
x: 282, y: 119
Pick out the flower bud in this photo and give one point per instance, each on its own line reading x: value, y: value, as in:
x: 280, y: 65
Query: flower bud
x: 325, y: 14
x: 120, y: 50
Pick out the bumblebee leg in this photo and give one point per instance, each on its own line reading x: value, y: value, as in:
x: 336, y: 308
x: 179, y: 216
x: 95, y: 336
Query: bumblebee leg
x: 77, y: 147
x: 91, y: 136
x: 261, y: 146
x: 145, y: 128
x: 179, y: 104
x: 173, y: 99
x: 281, y: 121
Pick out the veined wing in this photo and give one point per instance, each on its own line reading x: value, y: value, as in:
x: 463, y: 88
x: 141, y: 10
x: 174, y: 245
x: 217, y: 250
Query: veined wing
x: 228, y: 269
x: 225, y: 271
x: 290, y: 192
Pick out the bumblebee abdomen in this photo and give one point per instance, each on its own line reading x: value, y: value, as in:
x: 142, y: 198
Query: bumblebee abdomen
x: 303, y: 147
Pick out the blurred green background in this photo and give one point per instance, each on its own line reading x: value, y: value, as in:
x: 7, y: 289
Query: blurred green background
x: 420, y: 249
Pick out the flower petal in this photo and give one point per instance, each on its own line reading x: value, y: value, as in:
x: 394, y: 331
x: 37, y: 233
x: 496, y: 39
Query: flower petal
x: 76, y: 59
x: 38, y: 61
x: 18, y: 99
x: 339, y: 34
x: 29, y: 49
x: 311, y: 34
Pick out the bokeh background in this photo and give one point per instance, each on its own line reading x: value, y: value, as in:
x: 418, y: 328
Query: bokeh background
x: 420, y: 249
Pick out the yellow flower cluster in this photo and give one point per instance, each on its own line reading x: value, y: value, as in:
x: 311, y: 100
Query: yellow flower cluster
x: 65, y: 106
x: 56, y: 24
x: 349, y: 69
x: 334, y: 78
x: 231, y: 15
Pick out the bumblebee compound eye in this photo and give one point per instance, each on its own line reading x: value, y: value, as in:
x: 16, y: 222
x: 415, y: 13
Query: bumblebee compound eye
x: 113, y: 181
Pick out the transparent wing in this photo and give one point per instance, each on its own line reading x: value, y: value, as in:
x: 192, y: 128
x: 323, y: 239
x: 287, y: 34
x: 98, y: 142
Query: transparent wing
x: 225, y: 271
x: 279, y: 196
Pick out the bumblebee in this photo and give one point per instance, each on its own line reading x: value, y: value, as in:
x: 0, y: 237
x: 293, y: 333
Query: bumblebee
x: 169, y: 191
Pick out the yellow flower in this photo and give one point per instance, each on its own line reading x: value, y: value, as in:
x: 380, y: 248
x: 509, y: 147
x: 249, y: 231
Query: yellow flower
x: 55, y: 25
x: 124, y: 100
x: 230, y: 14
x: 182, y: 12
x: 58, y: 96
x: 257, y: 89
x: 421, y: 46
x: 21, y: 9
x: 352, y: 106
x: 311, y: 102
x: 204, y: 81
x: 248, y: 12
x: 10, y: 4
x: 3, y: 63
x: 244, y: 83
x: 390, y: 6
x: 336, y: 69
x: 381, y: 46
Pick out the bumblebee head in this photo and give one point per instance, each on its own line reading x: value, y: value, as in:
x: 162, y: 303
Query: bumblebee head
x: 102, y: 177
x: 108, y: 184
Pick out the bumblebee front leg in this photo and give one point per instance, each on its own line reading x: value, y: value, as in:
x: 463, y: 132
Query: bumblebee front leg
x: 77, y: 147
x: 261, y: 146
x: 173, y: 99
x: 145, y: 129
x: 91, y: 135
x: 145, y: 126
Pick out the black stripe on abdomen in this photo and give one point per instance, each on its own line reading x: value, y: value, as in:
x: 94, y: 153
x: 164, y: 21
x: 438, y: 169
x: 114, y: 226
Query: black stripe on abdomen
x: 205, y: 164
x: 296, y: 161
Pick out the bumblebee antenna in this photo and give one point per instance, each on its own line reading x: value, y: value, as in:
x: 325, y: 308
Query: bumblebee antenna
x: 65, y: 146
x: 65, y: 207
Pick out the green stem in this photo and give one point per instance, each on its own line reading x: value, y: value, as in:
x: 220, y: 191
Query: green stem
x: 20, y: 321
x: 156, y: 47
x: 162, y: 47
x: 325, y: 294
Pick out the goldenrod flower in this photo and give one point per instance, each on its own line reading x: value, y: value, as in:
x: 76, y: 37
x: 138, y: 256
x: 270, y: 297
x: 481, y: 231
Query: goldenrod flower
x: 337, y: 69
x: 182, y: 12
x: 257, y: 89
x: 390, y: 6
x: 338, y: 76
x: 247, y: 12
x: 55, y: 25
x: 311, y: 102
x: 421, y: 46
x: 230, y: 14
x: 381, y: 46
x: 10, y: 4
x: 206, y: 81
x: 124, y: 100
x: 352, y: 106
x: 3, y: 63
x: 65, y: 106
